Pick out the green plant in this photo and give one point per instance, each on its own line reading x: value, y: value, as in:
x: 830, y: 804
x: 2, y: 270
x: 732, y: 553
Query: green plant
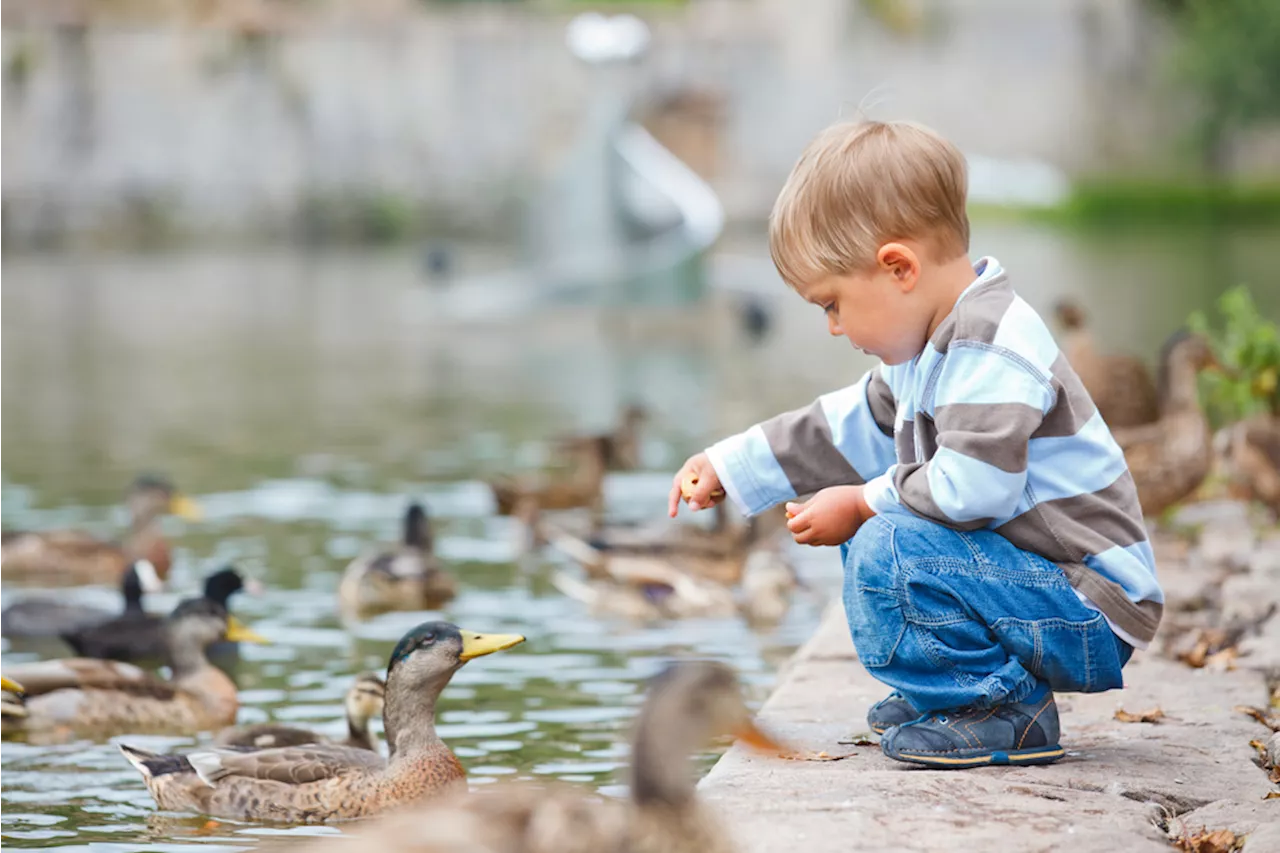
x: 1248, y: 349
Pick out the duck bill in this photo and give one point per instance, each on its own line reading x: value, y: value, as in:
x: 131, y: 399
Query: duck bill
x: 10, y: 685
x: 749, y: 734
x: 185, y: 508
x: 238, y: 632
x: 478, y: 645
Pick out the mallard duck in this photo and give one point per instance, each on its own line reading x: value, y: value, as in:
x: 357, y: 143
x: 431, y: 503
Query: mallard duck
x: 320, y: 782
x: 583, y: 486
x: 363, y: 702
x: 687, y: 705
x: 140, y: 636
x: 1120, y: 385
x: 406, y: 577
x: 75, y: 557
x: 89, y: 697
x: 1248, y: 456
x: 619, y: 449
x: 47, y: 616
x: 1171, y: 457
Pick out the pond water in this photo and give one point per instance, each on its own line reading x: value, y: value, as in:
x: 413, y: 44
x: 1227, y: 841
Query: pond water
x: 303, y: 399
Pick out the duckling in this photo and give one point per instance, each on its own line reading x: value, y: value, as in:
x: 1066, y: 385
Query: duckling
x: 50, y: 617
x: 687, y: 705
x: 619, y: 448
x: 1250, y: 455
x: 88, y: 697
x: 1171, y: 457
x: 583, y: 487
x: 140, y: 636
x: 320, y: 782
x: 363, y: 702
x: 407, y: 577
x: 76, y: 557
x: 1120, y: 385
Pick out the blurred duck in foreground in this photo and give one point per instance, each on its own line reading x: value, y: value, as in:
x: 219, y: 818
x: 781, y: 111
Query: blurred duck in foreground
x: 75, y: 557
x: 687, y: 705
x: 94, y: 698
x: 1170, y: 458
x: 408, y: 576
x: 1120, y: 385
x: 363, y: 702
x: 321, y: 782
x: 49, y: 616
x: 140, y: 636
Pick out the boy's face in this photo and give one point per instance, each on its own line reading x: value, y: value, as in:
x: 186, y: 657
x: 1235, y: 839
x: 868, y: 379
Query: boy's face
x: 880, y: 311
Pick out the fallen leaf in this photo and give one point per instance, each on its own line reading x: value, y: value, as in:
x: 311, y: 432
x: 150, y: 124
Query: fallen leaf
x: 1154, y: 715
x: 1218, y: 841
x: 1196, y: 657
x: 815, y: 756
x: 1272, y: 795
x: 1261, y: 749
x: 1259, y: 715
x: 857, y: 740
x: 1223, y: 661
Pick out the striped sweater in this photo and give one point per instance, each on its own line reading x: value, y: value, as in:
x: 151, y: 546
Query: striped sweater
x: 989, y: 427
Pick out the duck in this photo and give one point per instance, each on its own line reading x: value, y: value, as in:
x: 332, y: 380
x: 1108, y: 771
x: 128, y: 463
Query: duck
x: 91, y: 697
x: 315, y: 783
x: 12, y: 704
x: 140, y: 636
x: 408, y: 576
x: 76, y: 557
x: 1120, y: 385
x: 1170, y: 458
x: 1248, y: 453
x: 46, y: 616
x: 686, y: 706
x: 618, y: 448
x: 363, y: 702
x: 583, y: 486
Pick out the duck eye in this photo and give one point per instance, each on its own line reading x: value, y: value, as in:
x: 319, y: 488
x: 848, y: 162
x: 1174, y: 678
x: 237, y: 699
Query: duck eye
x: 427, y: 639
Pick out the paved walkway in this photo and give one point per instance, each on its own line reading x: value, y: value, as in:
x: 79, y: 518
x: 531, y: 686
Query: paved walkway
x: 1122, y: 786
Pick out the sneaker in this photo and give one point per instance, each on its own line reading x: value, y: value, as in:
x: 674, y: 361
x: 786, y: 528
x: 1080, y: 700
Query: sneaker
x: 892, y: 710
x: 1023, y: 732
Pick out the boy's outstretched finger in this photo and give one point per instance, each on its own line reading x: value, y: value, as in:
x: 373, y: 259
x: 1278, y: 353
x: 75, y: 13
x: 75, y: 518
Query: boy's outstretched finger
x: 673, y: 500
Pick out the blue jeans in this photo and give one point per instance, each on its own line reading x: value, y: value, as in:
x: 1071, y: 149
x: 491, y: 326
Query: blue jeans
x: 954, y: 619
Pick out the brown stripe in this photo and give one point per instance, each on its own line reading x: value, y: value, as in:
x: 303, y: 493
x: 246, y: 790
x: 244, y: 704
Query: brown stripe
x: 912, y: 482
x: 880, y: 399
x: 1137, y: 619
x: 801, y: 441
x: 926, y: 437
x: 904, y: 443
x: 995, y: 433
x: 978, y: 315
x: 1073, y: 407
x: 1067, y: 530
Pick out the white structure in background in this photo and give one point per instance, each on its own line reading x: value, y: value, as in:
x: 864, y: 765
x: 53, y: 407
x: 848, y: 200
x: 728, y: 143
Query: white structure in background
x: 1021, y: 183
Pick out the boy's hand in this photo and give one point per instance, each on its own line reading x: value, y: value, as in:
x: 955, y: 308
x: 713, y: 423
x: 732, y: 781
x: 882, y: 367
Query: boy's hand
x: 830, y: 517
x: 697, y: 483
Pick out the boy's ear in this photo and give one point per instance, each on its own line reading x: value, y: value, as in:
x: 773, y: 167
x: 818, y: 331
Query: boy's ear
x: 901, y: 263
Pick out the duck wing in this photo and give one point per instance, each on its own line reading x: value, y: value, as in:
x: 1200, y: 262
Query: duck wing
x: 292, y: 765
x: 74, y: 673
x: 130, y: 637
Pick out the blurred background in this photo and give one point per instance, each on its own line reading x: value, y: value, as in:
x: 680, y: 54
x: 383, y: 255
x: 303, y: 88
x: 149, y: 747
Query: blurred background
x: 314, y: 258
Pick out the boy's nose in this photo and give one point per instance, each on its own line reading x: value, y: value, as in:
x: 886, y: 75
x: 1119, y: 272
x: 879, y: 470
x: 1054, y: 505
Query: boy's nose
x: 833, y: 327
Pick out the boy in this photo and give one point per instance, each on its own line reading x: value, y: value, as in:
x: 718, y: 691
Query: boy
x: 993, y: 545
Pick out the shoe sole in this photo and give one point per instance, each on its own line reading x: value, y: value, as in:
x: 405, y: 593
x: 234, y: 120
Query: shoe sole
x: 1017, y: 757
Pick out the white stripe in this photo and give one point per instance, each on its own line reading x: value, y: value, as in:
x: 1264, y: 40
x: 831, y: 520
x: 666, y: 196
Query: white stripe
x: 978, y: 374
x: 1022, y: 331
x: 967, y: 489
x: 1067, y: 466
x: 747, y: 462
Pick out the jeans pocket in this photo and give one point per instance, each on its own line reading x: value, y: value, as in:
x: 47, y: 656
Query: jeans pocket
x: 875, y: 623
x: 1079, y: 657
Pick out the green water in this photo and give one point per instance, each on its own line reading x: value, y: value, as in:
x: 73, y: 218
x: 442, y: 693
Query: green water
x: 303, y: 399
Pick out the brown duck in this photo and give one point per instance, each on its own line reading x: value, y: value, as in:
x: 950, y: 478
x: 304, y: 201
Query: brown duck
x: 688, y: 704
x: 363, y: 702
x: 95, y: 698
x: 321, y: 782
x: 582, y: 486
x: 406, y: 577
x: 1249, y: 453
x: 619, y: 448
x: 1170, y: 458
x: 1120, y: 385
x: 76, y: 557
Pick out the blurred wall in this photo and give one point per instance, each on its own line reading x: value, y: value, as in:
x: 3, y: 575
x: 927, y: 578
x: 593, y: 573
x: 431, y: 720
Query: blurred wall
x: 249, y: 118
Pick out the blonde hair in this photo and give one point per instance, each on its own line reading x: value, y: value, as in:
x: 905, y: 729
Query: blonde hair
x: 859, y: 185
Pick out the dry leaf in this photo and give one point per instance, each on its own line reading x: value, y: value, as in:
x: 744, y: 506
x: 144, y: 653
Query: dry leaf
x: 1218, y: 841
x: 857, y: 740
x: 1154, y: 715
x: 1272, y: 795
x: 1223, y: 661
x: 1196, y: 656
x: 1261, y: 749
x: 1259, y: 715
x: 815, y: 756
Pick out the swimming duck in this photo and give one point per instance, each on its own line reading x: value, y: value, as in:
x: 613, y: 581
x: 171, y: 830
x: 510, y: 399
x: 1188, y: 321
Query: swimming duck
x: 583, y: 486
x: 76, y: 557
x: 320, y: 782
x: 1120, y: 385
x: 687, y: 705
x: 89, y: 697
x: 140, y: 636
x: 363, y: 702
x: 619, y: 448
x: 1249, y: 452
x: 406, y: 577
x: 1171, y: 457
x: 47, y: 616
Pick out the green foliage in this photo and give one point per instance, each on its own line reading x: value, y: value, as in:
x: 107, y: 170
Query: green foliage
x: 1135, y: 202
x: 1248, y: 349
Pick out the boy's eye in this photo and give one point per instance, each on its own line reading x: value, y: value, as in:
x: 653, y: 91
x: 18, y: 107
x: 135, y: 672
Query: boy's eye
x: 828, y: 308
